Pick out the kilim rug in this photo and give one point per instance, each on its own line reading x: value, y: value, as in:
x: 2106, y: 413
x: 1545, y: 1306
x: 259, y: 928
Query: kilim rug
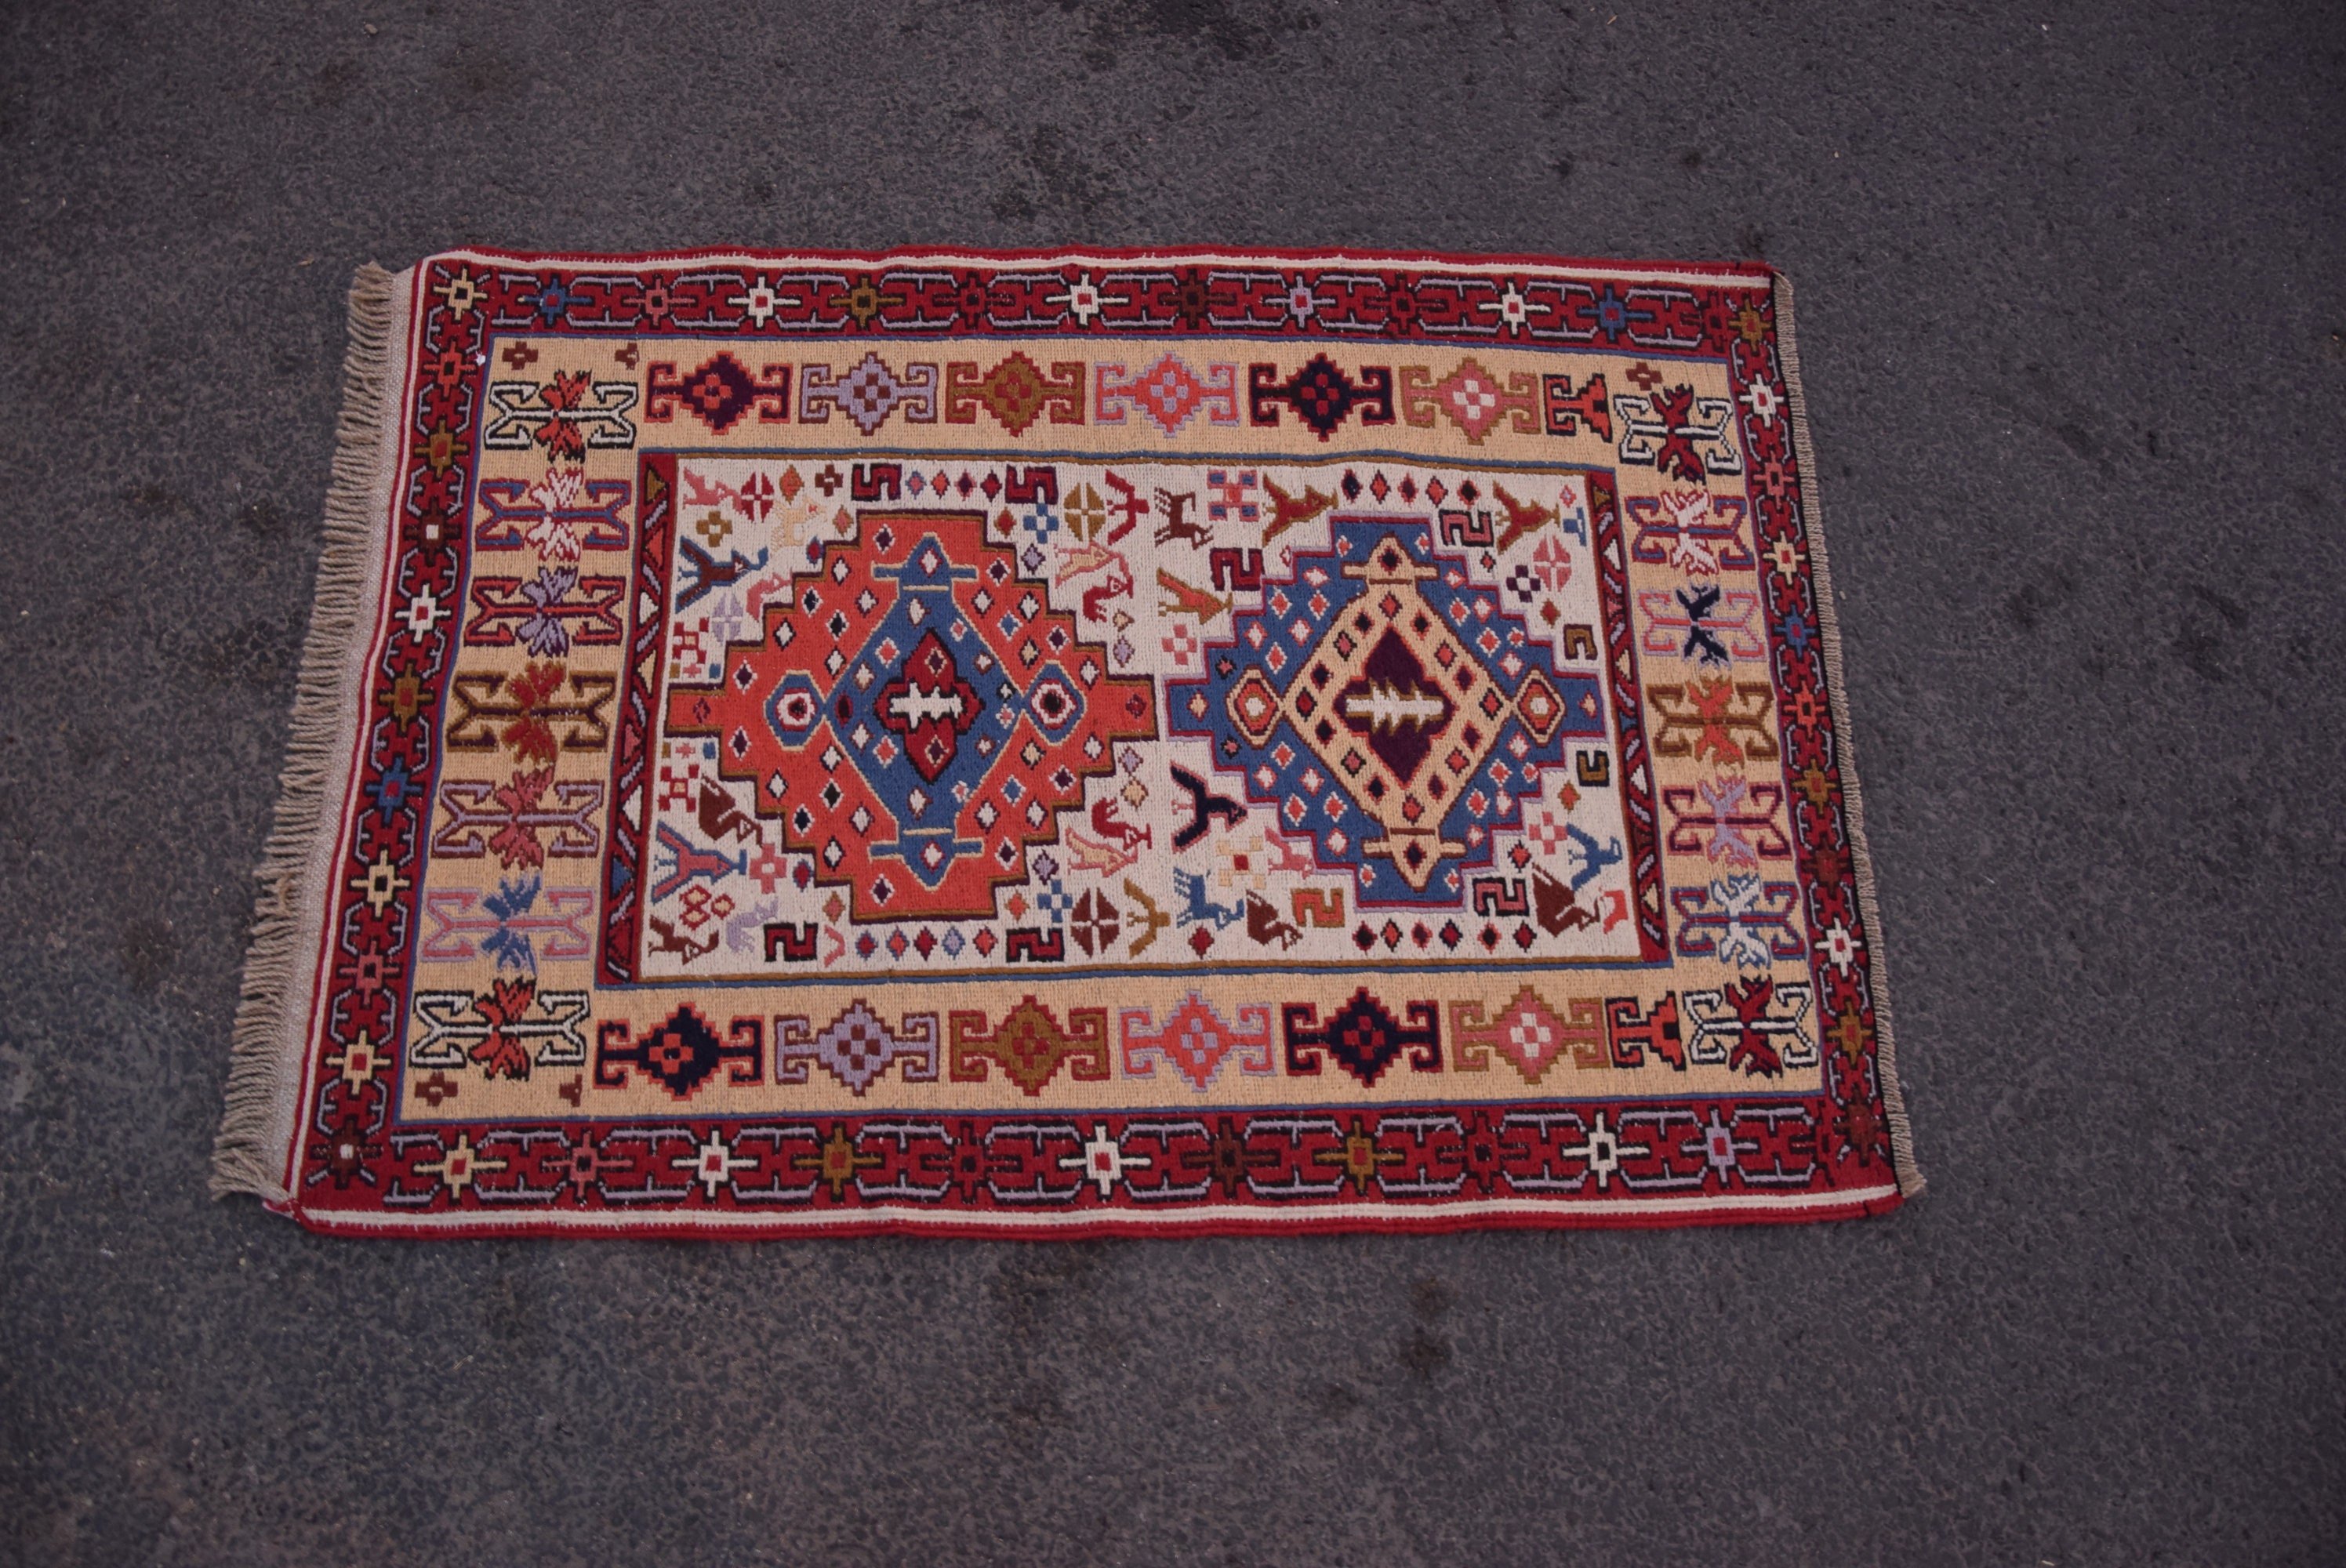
x: 1056, y: 744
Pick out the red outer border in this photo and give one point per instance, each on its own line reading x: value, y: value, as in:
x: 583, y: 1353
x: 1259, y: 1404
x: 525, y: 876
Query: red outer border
x: 442, y: 375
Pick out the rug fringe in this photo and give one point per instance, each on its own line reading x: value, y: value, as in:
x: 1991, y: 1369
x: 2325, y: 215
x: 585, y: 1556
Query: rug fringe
x: 1893, y: 1096
x: 272, y: 1019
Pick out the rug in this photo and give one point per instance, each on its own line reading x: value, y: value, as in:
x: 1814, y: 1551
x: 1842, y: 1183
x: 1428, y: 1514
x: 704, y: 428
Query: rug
x: 1061, y: 744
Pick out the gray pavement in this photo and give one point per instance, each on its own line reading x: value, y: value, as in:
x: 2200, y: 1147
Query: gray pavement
x: 2070, y: 297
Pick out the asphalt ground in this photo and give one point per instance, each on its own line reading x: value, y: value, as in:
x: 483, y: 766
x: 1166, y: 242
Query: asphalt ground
x: 2070, y: 306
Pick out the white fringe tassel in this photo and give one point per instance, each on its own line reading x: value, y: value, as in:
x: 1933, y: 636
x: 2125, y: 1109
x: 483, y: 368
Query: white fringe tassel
x: 272, y: 1006
x: 1893, y: 1098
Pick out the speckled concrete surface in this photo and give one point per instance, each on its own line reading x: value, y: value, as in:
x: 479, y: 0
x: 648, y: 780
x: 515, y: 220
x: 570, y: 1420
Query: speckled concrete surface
x: 2071, y: 316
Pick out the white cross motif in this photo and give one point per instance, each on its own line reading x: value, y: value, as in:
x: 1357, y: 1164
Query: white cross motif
x: 1603, y: 1151
x: 713, y: 1163
x: 1103, y: 1160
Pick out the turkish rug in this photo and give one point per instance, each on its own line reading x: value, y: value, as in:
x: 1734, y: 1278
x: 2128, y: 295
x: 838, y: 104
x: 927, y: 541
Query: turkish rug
x: 1063, y: 744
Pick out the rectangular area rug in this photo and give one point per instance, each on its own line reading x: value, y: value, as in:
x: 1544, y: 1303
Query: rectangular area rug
x: 1056, y: 744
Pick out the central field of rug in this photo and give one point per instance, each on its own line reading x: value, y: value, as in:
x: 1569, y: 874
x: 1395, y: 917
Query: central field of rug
x: 1070, y: 743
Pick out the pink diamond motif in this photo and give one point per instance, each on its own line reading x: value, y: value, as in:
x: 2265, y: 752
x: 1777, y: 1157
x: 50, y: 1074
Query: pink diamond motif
x: 1170, y: 394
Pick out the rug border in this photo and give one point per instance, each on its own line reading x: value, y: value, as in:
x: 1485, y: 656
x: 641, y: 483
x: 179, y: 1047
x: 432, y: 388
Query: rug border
x: 1893, y: 1098
x: 253, y: 1153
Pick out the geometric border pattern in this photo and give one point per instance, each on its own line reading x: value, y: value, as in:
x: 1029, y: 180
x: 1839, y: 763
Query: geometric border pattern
x: 1767, y: 1157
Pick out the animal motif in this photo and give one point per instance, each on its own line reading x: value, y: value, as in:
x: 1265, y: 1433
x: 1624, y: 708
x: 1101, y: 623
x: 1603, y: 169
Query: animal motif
x: 1179, y: 524
x: 699, y: 490
x: 1592, y: 859
x: 1290, y: 858
x: 1108, y: 825
x: 743, y: 928
x: 666, y: 937
x: 720, y: 817
x: 761, y: 590
x: 1521, y: 519
x: 1128, y: 502
x: 1082, y: 556
x: 1197, y: 908
x: 709, y: 573
x: 1555, y: 906
x: 1117, y: 585
x: 1266, y: 925
x: 1288, y: 511
x: 1204, y: 807
x: 1151, y: 920
x: 685, y: 860
x: 1190, y: 601
x: 1088, y: 854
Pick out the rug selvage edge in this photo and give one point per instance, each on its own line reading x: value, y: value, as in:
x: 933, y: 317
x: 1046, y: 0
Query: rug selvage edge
x: 1893, y: 1099
x: 271, y: 1036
